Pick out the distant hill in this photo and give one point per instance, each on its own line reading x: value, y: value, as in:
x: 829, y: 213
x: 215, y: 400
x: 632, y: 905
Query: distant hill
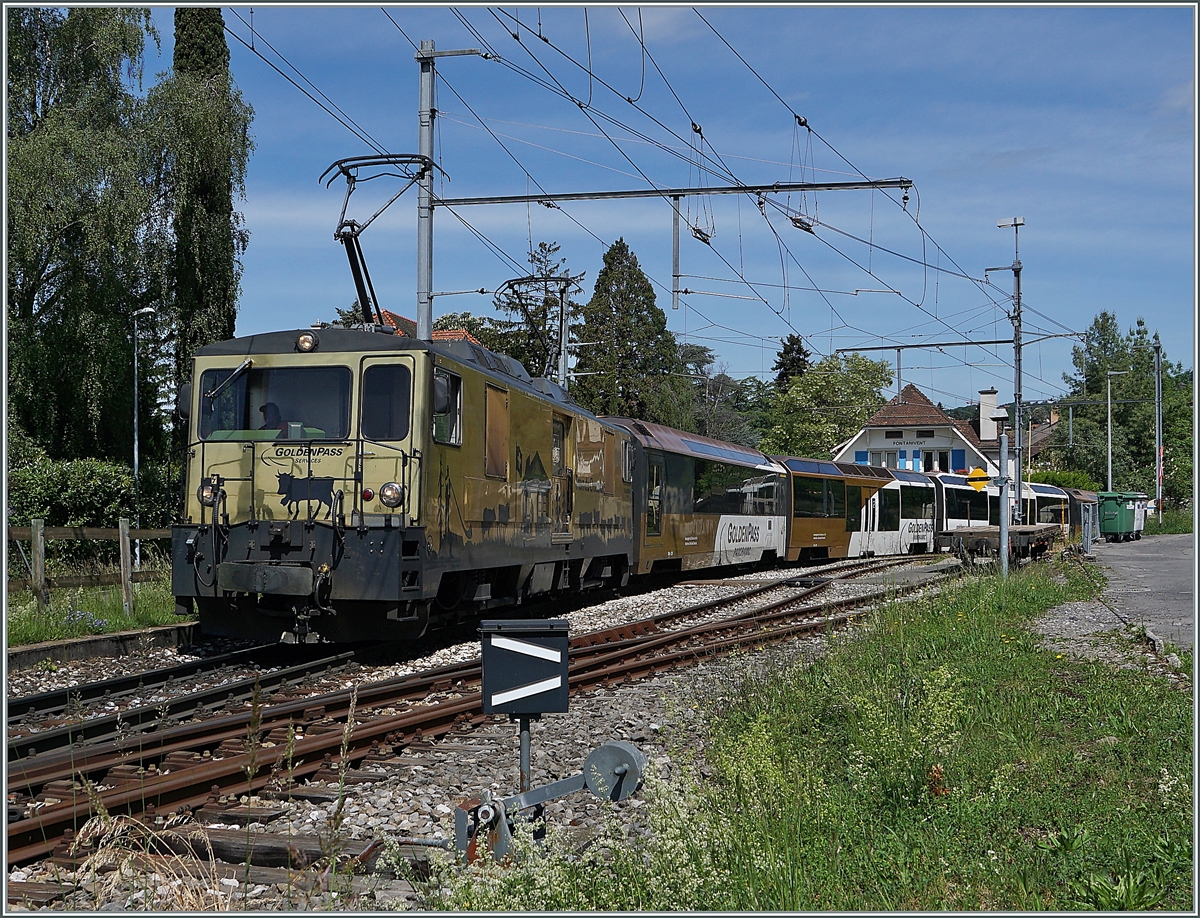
x: 963, y: 413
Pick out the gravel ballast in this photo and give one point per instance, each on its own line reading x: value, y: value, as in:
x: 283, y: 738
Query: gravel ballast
x: 657, y: 715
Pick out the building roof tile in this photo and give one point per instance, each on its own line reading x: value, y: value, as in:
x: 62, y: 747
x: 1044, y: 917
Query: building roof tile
x: 909, y: 408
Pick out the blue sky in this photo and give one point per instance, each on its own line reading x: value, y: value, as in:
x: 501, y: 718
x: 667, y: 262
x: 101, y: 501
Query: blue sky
x: 1079, y: 119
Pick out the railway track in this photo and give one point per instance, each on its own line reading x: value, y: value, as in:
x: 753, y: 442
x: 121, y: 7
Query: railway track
x: 185, y: 767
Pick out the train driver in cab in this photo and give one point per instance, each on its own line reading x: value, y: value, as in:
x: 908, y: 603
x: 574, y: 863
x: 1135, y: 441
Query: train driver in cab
x: 272, y: 418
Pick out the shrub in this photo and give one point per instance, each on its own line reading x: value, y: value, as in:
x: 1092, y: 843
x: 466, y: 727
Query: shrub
x: 86, y: 492
x: 1065, y: 478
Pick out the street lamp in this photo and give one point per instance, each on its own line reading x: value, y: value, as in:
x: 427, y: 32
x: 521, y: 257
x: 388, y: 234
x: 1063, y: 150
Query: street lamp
x: 137, y: 521
x: 1111, y: 374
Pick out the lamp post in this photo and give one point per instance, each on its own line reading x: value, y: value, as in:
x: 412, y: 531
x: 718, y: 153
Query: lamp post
x: 1111, y: 374
x: 137, y: 521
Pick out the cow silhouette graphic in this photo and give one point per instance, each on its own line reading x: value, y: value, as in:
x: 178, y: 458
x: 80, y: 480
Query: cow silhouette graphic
x: 296, y: 491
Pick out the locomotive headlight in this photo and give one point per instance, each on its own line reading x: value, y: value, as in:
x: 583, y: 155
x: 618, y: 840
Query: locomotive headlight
x: 391, y: 494
x: 207, y: 493
x: 307, y: 341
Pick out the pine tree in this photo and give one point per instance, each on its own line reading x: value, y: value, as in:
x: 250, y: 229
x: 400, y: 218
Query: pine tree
x: 792, y: 361
x: 629, y: 354
x: 533, y: 336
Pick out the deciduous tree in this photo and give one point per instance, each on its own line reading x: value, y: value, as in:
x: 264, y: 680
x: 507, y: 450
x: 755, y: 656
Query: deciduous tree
x: 1082, y: 443
x: 87, y: 229
x: 826, y: 406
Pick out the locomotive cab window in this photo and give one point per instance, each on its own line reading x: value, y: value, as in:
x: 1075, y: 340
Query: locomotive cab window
x: 298, y: 402
x: 386, y: 398
x: 447, y: 407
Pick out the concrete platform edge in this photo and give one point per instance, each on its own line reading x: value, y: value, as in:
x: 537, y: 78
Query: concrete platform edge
x: 120, y: 642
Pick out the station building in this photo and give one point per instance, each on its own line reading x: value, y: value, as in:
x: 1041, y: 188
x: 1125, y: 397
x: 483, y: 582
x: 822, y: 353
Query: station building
x: 911, y: 432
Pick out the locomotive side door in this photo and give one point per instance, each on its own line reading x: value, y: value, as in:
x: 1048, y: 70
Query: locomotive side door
x: 562, y: 493
x: 387, y: 421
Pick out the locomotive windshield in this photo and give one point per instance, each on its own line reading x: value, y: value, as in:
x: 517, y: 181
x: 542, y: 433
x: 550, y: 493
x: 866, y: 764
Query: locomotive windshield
x: 276, y: 403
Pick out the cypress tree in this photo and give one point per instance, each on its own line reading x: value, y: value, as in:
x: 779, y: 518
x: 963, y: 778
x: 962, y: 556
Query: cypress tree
x: 208, y: 238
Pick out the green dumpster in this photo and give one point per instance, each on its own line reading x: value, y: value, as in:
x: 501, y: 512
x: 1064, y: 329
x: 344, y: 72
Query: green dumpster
x: 1119, y: 516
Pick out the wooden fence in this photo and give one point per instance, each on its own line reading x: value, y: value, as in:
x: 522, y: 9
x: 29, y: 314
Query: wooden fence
x: 41, y: 585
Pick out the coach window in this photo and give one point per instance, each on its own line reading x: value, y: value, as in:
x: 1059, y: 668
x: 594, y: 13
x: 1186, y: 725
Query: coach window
x: 835, y: 498
x: 917, y: 502
x: 447, y: 407
x: 978, y: 507
x: 853, y: 508
x: 495, y: 463
x: 808, y: 496
x: 889, y: 510
x: 386, y: 395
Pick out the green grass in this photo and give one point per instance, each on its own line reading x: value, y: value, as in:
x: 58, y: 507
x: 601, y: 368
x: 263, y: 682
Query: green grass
x: 935, y: 759
x: 82, y: 612
x: 1174, y: 521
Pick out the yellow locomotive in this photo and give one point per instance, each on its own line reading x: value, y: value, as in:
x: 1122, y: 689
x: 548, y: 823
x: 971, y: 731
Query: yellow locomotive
x: 364, y: 485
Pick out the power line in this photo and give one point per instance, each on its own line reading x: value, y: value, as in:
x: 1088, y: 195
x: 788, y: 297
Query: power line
x: 345, y: 122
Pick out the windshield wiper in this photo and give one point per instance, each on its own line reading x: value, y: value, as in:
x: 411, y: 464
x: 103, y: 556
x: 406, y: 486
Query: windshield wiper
x: 242, y: 368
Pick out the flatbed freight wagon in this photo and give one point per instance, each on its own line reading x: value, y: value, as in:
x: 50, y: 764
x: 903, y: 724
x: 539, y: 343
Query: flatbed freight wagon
x: 1031, y: 541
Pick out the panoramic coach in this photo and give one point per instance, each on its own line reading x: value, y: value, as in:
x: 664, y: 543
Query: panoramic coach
x: 701, y: 502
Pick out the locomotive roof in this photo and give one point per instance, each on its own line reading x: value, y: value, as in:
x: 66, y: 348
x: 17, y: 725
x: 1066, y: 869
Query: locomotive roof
x: 668, y: 439
x: 334, y: 339
x: 331, y: 339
